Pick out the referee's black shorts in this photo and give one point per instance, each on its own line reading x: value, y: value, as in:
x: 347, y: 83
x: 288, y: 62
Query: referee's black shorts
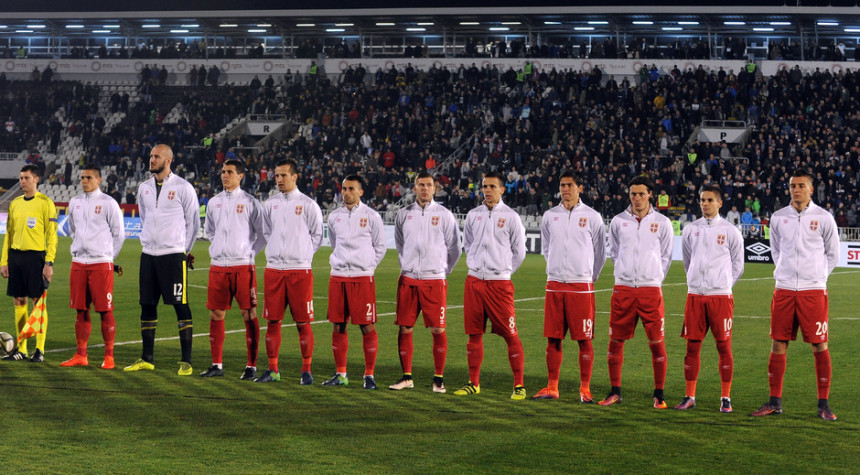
x: 163, y: 276
x: 25, y: 274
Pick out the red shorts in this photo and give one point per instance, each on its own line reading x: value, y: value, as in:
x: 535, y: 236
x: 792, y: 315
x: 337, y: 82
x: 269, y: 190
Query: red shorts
x: 708, y: 311
x: 91, y: 284
x: 569, y: 306
x: 426, y: 296
x: 489, y: 299
x: 806, y: 309
x: 288, y: 287
x: 225, y: 283
x: 352, y: 299
x: 629, y: 304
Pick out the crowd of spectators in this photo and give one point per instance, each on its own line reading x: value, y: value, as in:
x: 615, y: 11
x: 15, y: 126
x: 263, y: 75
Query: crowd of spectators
x: 388, y: 125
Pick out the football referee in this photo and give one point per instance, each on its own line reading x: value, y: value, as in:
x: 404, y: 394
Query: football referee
x: 169, y: 219
x: 28, y: 254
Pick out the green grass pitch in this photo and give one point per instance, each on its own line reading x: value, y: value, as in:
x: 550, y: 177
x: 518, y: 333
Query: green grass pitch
x: 73, y: 420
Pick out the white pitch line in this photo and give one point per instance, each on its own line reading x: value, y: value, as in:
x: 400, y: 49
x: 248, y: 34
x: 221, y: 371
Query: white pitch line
x: 528, y: 299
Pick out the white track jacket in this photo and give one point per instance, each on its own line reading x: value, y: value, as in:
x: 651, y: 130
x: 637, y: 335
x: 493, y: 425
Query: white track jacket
x: 96, y: 227
x: 804, y: 246
x: 427, y: 240
x: 713, y: 254
x: 641, y: 251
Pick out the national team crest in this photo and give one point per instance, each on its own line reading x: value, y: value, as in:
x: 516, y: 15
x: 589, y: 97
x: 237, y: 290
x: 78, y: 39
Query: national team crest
x: 501, y: 223
x: 299, y: 209
x: 721, y: 239
x: 98, y: 209
x: 434, y: 220
x: 362, y: 222
x: 240, y: 208
x: 171, y: 195
x: 583, y: 222
x: 813, y: 225
x: 654, y: 227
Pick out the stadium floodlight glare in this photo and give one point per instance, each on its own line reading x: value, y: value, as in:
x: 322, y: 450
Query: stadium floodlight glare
x: 672, y: 28
x: 499, y: 28
x: 257, y: 30
x: 35, y: 27
x: 228, y: 25
x: 101, y: 31
x: 643, y: 22
x: 384, y: 24
x: 827, y: 23
x: 23, y: 31
x: 598, y: 22
x: 547, y: 23
x: 112, y: 26
x: 471, y: 23
x: 583, y: 28
x: 335, y: 30
x: 150, y: 25
x: 344, y: 24
x: 416, y: 29
x: 425, y: 23
x: 179, y: 31
x: 264, y: 25
x: 780, y: 23
x: 74, y: 27
x: 688, y: 23
x: 190, y: 25
x: 511, y: 23
x: 734, y: 23
x: 763, y: 29
x: 304, y: 25
x: 852, y: 30
x: 3, y: 27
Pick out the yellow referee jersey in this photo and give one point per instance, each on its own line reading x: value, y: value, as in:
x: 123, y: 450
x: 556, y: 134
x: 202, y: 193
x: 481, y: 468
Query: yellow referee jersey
x: 31, y: 226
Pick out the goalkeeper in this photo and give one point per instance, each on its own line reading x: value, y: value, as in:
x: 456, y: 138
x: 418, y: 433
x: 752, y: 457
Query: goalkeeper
x: 170, y: 222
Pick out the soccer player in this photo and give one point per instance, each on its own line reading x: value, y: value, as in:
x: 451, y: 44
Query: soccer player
x: 293, y: 226
x: 28, y: 255
x: 170, y: 222
x: 573, y: 242
x: 495, y: 242
x: 640, y: 244
x: 428, y: 246
x: 97, y: 231
x: 234, y: 227
x: 358, y: 246
x: 713, y: 253
x: 804, y: 243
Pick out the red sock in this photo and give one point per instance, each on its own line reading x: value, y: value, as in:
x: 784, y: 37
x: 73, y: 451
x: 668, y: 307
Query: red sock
x: 658, y: 362
x: 83, y: 326
x: 615, y: 355
x: 108, y: 331
x: 252, y: 340
x: 440, y: 352
x: 822, y: 373
x: 515, y: 357
x: 339, y: 346
x: 475, y: 355
x: 405, y: 348
x: 554, y: 358
x: 586, y: 363
x: 273, y: 343
x: 306, y: 344
x: 371, y: 344
x: 216, y: 340
x: 692, y: 361
x: 776, y: 373
x: 727, y: 364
